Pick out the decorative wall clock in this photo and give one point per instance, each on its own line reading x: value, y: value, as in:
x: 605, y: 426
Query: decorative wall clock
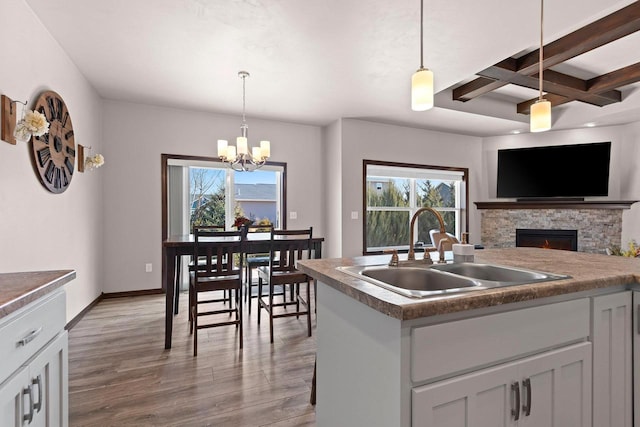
x: 54, y: 153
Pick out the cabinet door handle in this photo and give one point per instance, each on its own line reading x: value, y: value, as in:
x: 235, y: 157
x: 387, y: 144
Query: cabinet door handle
x: 27, y: 391
x: 515, y: 395
x: 526, y: 407
x: 38, y: 382
x: 30, y: 337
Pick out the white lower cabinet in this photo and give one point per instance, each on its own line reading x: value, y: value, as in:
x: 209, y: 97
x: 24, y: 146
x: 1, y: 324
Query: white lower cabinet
x: 612, y: 360
x: 550, y: 389
x: 34, y: 366
x: 635, y: 331
x: 36, y: 395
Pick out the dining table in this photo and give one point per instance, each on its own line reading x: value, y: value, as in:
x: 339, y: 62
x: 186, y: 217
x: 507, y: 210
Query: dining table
x: 175, y: 247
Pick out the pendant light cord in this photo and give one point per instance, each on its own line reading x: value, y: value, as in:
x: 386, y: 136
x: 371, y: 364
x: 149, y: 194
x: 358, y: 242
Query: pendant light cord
x: 421, y: 37
x: 541, y: 47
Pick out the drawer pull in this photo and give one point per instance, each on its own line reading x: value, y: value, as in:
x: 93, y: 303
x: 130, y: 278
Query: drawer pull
x: 30, y: 337
x: 38, y: 382
x: 27, y: 391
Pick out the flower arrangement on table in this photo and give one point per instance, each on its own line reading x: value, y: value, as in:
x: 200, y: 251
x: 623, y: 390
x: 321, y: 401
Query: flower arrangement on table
x: 633, y: 250
x: 32, y: 123
x: 242, y: 221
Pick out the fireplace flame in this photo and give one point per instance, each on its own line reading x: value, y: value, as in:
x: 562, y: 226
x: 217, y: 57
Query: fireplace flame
x: 546, y: 245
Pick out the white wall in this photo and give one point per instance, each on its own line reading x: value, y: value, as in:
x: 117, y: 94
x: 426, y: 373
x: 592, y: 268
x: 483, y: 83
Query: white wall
x: 135, y: 137
x: 375, y: 141
x: 332, y: 140
x: 40, y: 230
x: 623, y: 176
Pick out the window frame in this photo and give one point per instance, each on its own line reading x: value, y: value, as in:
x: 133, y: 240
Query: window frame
x: 165, y: 161
x: 463, y: 210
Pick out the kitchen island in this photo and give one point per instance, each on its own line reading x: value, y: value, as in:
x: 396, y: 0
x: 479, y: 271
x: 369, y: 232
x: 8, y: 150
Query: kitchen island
x: 483, y: 357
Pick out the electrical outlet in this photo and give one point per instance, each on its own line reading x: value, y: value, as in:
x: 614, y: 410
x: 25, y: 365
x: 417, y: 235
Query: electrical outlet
x: 293, y: 215
x: 354, y: 215
x: 148, y: 267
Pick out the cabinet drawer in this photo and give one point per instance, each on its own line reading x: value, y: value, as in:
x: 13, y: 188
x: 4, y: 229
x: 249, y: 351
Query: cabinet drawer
x: 447, y: 348
x: 23, y: 336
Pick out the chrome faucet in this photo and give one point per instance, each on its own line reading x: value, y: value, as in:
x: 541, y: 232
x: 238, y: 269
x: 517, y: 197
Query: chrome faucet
x: 440, y: 248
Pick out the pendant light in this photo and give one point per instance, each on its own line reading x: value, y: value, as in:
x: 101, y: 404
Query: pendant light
x: 422, y: 80
x: 541, y: 109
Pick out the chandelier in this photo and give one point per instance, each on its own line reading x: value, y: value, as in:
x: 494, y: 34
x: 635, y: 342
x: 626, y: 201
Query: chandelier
x: 238, y: 156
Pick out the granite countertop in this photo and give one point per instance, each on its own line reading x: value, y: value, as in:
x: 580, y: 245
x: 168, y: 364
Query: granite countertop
x: 587, y: 271
x: 19, y: 289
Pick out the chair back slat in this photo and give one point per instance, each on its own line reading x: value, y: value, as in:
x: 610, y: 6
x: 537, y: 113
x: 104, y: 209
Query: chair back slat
x: 288, y: 247
x: 219, y: 252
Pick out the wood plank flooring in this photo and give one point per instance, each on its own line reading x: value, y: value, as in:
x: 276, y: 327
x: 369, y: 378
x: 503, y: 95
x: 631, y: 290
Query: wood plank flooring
x: 121, y: 375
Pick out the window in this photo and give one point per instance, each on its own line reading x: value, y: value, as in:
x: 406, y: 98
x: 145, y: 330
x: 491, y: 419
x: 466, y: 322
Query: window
x: 393, y: 192
x: 204, y: 191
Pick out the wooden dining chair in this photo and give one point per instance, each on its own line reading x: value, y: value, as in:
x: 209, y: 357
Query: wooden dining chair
x: 286, y: 248
x: 253, y: 261
x: 191, y: 265
x: 219, y: 268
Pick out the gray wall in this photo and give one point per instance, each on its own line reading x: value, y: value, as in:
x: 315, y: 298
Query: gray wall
x: 40, y: 230
x: 135, y: 137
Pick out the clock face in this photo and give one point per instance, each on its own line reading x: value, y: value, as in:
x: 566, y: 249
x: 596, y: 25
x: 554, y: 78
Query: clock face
x: 54, y: 153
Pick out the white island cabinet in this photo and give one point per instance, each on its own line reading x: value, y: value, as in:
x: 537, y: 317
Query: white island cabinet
x: 34, y: 355
x: 563, y: 352
x: 527, y: 366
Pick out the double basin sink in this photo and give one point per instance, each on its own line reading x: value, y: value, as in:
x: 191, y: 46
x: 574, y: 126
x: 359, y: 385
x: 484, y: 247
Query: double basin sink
x: 433, y: 280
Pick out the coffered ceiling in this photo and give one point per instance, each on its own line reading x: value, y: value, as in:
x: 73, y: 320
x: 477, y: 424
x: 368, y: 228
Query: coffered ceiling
x: 314, y: 62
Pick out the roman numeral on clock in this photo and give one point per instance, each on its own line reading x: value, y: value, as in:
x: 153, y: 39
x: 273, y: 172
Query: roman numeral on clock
x: 48, y: 173
x: 44, y: 154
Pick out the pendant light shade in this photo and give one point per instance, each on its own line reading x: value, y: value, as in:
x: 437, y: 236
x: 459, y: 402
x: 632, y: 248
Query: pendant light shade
x: 540, y: 116
x: 422, y: 80
x: 422, y: 90
x: 540, y: 112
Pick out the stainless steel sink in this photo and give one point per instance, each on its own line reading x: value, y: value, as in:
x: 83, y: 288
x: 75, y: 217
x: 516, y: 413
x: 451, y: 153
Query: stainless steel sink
x: 415, y: 282
x: 426, y: 281
x: 498, y: 273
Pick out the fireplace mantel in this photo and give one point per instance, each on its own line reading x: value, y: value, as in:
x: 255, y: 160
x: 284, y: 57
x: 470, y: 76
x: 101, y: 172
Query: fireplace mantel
x: 560, y: 204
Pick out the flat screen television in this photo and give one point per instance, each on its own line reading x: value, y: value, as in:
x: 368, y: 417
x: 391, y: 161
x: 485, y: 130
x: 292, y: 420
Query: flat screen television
x: 560, y: 171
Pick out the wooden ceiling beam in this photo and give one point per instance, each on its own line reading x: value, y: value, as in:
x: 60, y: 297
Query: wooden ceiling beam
x: 605, y: 30
x: 556, y: 83
x: 596, y: 87
x: 475, y: 88
x: 597, y: 34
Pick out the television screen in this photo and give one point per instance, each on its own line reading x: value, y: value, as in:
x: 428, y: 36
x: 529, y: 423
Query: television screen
x: 579, y: 170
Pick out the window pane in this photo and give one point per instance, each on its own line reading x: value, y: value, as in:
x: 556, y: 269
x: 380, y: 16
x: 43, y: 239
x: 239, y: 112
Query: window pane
x: 434, y: 193
x: 388, y: 192
x: 256, y: 196
x: 206, y: 196
x: 387, y: 228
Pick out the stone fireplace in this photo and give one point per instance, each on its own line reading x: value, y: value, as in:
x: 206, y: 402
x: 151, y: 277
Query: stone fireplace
x: 598, y: 225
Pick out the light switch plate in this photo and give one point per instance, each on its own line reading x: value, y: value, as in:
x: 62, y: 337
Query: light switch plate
x: 293, y: 215
x: 148, y: 267
x: 354, y: 215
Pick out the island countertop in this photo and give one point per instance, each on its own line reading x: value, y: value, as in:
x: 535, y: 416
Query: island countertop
x: 19, y: 289
x: 587, y: 271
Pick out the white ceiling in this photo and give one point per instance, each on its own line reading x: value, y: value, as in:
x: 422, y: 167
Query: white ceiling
x: 316, y: 61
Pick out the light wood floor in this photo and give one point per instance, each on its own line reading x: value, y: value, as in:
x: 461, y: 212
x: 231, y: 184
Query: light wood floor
x: 121, y: 375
